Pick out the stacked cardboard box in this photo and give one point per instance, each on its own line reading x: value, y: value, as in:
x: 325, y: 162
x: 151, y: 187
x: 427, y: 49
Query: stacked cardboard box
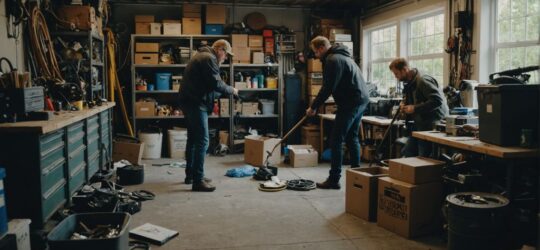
x: 410, y: 199
x: 361, y: 191
x: 191, y: 19
x: 143, y: 23
x: 311, y: 136
x: 241, y: 48
x: 146, y: 53
x: 215, y: 18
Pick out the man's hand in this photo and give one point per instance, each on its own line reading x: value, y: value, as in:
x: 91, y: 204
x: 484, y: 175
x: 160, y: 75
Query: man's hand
x: 235, y: 91
x: 407, y: 109
x: 310, y: 112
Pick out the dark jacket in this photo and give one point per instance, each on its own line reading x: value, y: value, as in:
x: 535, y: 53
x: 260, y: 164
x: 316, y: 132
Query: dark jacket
x: 202, y: 83
x: 341, y: 79
x: 429, y: 103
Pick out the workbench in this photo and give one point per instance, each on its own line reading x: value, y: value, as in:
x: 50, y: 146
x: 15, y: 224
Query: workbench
x: 46, y: 162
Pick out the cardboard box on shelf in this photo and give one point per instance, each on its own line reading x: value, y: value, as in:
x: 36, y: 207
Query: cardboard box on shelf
x: 143, y: 109
x: 142, y: 28
x: 147, y: 47
x: 130, y: 151
x: 191, y: 15
x: 83, y: 17
x: 314, y: 89
x: 250, y: 108
x: 192, y: 26
x: 144, y: 19
x: 339, y: 31
x: 255, y: 41
x: 155, y: 29
x: 416, y: 170
x: 224, y: 137
x: 303, y: 156
x: 314, y: 65
x: 216, y: 14
x: 241, y: 54
x: 239, y: 40
x: 409, y: 210
x: 256, y: 147
x: 315, y: 81
x: 340, y: 37
x: 146, y: 58
x: 224, y: 107
x: 172, y: 28
x: 311, y: 136
x: 361, y: 191
x: 240, y: 85
x: 188, y: 7
x: 258, y: 58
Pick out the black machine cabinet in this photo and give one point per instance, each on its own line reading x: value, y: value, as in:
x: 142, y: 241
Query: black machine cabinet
x: 294, y: 108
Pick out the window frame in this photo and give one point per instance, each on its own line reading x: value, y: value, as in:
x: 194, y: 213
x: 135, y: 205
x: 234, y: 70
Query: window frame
x: 367, y: 47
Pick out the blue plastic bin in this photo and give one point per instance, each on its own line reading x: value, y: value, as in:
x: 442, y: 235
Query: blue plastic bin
x: 3, y: 213
x: 213, y: 29
x: 163, y: 81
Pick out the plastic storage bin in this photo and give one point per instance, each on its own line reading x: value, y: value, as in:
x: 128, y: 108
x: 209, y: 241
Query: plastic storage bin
x: 267, y: 106
x: 59, y: 237
x: 163, y: 81
x: 152, y: 145
x: 3, y: 213
x: 177, y: 143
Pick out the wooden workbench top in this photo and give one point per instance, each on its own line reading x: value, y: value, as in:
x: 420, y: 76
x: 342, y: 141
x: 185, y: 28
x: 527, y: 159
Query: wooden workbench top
x: 375, y: 120
x: 475, y: 145
x: 59, y: 120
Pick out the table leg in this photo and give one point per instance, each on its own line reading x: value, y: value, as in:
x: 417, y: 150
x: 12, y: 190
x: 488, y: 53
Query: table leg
x: 321, y: 139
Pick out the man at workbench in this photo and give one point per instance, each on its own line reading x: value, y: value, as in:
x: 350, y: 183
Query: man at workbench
x: 423, y: 103
x: 342, y: 79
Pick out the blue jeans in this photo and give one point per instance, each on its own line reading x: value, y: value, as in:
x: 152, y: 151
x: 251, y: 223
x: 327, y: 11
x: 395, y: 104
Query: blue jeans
x: 197, y: 142
x: 345, y: 129
x: 415, y: 147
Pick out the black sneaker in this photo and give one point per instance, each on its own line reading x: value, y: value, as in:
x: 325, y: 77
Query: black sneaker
x: 328, y: 185
x: 202, y: 187
x: 190, y: 181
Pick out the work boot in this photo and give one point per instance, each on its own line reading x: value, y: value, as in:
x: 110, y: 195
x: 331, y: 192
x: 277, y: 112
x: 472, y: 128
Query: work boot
x: 328, y: 185
x: 190, y: 181
x: 202, y: 186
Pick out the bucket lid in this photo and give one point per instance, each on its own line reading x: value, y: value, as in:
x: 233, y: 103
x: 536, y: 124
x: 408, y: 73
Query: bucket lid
x: 477, y: 200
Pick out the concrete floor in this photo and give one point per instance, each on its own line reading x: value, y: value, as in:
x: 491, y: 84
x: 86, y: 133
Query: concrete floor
x: 239, y: 216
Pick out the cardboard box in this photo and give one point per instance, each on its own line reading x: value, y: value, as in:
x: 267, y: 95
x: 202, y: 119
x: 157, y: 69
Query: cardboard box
x: 255, y: 41
x: 258, y: 58
x: 311, y: 136
x: 143, y: 109
x: 241, y: 55
x: 340, y: 37
x: 224, y: 107
x: 361, y: 191
x: 339, y: 31
x: 409, y: 210
x: 146, y: 58
x: 314, y: 89
x: 303, y: 156
x: 147, y: 47
x: 224, y: 137
x: 416, y: 170
x: 192, y: 26
x: 21, y: 229
x: 142, y: 28
x: 144, y: 19
x: 241, y: 85
x: 255, y: 150
x: 83, y: 17
x: 314, y: 65
x: 129, y: 151
x: 239, y: 40
x: 187, y: 7
x: 250, y: 108
x: 191, y: 15
x: 155, y: 29
x: 330, y: 108
x: 172, y: 27
x: 216, y: 14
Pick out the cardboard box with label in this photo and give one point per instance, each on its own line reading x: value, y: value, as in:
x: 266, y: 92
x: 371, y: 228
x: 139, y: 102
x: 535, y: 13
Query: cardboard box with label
x: 192, y: 26
x: 416, y: 170
x: 409, y: 210
x: 147, y: 47
x: 130, y: 151
x: 239, y: 40
x: 144, y: 19
x: 303, y: 156
x: 314, y: 65
x: 216, y: 14
x: 143, y: 109
x: 250, y: 108
x: 172, y: 27
x: 155, y: 29
x: 146, y: 58
x: 258, y: 58
x: 361, y: 191
x: 241, y: 55
x: 256, y: 147
x: 255, y: 41
x: 311, y: 136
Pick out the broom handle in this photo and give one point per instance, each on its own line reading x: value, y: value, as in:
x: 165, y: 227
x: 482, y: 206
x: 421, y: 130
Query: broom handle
x: 269, y: 153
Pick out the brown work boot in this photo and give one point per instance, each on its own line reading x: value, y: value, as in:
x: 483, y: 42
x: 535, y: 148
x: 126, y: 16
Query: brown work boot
x: 328, y: 185
x: 190, y: 181
x: 202, y: 186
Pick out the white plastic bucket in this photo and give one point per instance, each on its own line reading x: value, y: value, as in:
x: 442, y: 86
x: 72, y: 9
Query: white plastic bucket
x: 177, y: 143
x: 267, y: 106
x: 152, y: 145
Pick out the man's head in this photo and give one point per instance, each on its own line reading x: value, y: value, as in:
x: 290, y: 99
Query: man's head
x: 400, y: 68
x: 320, y: 46
x: 222, y: 47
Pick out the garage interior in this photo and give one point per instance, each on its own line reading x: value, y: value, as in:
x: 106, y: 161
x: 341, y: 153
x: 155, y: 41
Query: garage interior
x: 94, y: 130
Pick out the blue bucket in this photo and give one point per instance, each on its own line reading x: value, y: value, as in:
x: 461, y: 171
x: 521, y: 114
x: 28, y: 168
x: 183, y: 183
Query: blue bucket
x: 163, y: 81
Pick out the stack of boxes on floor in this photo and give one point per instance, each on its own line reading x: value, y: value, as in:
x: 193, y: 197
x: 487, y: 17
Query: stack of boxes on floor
x: 405, y: 199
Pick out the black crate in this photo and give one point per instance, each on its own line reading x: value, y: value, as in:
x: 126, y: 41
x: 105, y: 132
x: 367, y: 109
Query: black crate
x: 59, y: 237
x: 505, y: 109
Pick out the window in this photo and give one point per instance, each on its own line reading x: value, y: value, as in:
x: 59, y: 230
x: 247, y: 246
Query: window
x: 382, y: 44
x: 425, y: 45
x: 516, y: 35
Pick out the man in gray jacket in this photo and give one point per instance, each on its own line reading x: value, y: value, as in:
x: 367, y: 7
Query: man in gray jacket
x: 341, y: 79
x: 202, y: 84
x: 424, y: 103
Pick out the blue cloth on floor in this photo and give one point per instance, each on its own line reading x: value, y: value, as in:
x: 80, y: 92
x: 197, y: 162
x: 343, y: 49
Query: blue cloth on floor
x: 241, y: 172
